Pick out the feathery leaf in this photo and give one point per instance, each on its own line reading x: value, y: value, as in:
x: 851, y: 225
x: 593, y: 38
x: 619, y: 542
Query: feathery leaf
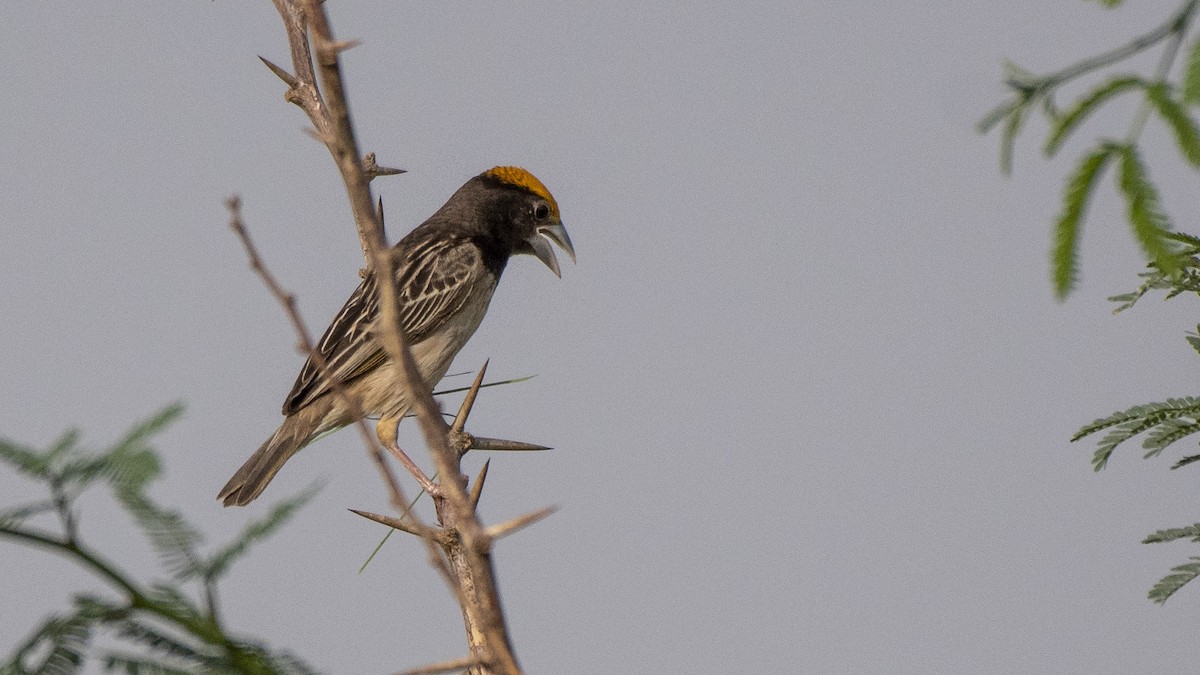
x: 16, y: 514
x: 1175, y: 533
x: 24, y: 459
x: 174, y: 599
x: 1166, y: 433
x: 125, y: 468
x: 1168, y: 409
x: 1150, y: 223
x: 1008, y: 137
x: 1129, y: 423
x: 1184, y: 461
x: 1176, y: 117
x: 255, y: 531
x: 995, y: 116
x: 133, y: 664
x: 1086, y: 105
x: 158, y: 641
x: 63, y: 446
x: 1066, y: 231
x: 1194, y: 340
x: 140, y: 433
x: 1186, y: 239
x: 1179, y: 577
x: 1191, y: 76
x: 172, y: 536
x: 63, y: 639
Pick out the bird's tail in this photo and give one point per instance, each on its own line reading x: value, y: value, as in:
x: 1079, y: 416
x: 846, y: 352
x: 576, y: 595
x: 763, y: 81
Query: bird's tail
x: 297, y: 431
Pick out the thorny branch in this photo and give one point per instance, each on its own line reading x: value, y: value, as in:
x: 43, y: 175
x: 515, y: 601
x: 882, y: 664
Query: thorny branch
x: 464, y: 541
x: 288, y: 301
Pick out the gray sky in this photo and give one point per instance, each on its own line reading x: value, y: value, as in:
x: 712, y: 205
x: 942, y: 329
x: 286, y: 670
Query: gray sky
x: 809, y: 390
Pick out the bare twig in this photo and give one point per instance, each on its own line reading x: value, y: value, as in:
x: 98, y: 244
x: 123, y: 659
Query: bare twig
x: 288, y: 301
x: 1175, y: 25
x: 302, y: 89
x: 342, y: 143
x: 465, y: 543
x: 445, y: 667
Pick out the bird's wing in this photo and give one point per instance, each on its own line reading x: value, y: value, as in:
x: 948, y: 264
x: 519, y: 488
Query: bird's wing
x: 436, y: 278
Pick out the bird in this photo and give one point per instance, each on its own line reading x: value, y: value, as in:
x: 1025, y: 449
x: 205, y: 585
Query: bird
x: 446, y: 269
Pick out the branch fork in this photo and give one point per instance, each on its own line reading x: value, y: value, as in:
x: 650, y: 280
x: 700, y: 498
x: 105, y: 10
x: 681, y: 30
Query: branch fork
x: 459, y: 547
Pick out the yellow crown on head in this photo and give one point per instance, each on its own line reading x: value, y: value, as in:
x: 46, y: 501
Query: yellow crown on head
x: 515, y: 175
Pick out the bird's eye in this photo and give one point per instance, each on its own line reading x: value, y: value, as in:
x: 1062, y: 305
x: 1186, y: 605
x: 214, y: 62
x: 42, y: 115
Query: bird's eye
x: 541, y: 211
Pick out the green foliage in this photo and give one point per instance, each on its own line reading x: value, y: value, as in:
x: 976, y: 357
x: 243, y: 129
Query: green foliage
x: 1166, y: 423
x: 1191, y: 75
x: 1029, y: 91
x: 1184, y: 461
x: 1075, y: 199
x: 1179, y: 576
x: 217, y: 564
x: 1194, y: 340
x: 1068, y: 122
x: 170, y: 631
x: 30, y: 462
x: 1150, y: 224
x: 1173, y: 258
x: 173, y: 538
x: 1160, y: 424
x: 1163, y: 536
x: 132, y: 664
x: 1185, y: 280
x: 1176, y: 116
x: 63, y: 641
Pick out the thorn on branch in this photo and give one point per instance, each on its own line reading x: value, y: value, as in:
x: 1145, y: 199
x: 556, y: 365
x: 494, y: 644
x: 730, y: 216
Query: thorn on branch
x: 481, y: 443
x: 464, y: 410
x: 477, y: 488
x: 344, y: 45
x: 506, y: 528
x: 288, y: 79
x: 324, y: 138
x: 373, y: 170
x: 401, y: 524
x: 456, y: 665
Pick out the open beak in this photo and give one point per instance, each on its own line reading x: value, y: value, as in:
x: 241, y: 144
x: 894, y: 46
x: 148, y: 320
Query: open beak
x: 540, y: 240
